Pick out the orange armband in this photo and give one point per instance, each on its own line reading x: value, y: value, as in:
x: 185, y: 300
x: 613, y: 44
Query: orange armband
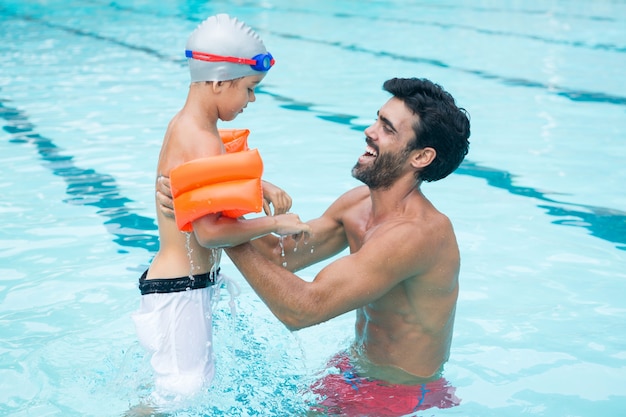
x: 229, y: 183
x: 235, y: 140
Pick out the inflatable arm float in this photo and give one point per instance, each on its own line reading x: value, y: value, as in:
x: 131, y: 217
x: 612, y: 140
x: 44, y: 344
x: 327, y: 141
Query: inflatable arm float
x: 229, y: 183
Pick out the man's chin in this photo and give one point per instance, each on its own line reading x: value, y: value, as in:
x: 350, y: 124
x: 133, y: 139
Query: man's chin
x: 358, y: 174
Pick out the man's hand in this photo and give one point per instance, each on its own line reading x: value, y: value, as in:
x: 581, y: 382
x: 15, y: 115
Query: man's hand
x: 276, y: 197
x: 164, y: 196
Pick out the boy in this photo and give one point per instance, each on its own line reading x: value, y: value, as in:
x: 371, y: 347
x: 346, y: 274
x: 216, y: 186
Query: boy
x: 227, y: 60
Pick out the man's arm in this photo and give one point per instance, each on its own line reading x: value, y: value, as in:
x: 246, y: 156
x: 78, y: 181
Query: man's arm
x: 327, y: 236
x: 348, y: 283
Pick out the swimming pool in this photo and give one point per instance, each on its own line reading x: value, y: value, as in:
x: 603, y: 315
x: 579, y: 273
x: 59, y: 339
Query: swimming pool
x: 539, y: 206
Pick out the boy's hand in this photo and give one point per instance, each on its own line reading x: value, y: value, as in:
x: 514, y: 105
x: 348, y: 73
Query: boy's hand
x: 276, y: 197
x: 164, y: 196
x: 289, y: 224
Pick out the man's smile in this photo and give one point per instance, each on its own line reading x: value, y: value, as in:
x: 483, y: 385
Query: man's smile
x: 370, y: 153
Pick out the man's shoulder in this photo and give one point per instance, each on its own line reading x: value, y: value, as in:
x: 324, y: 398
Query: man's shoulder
x: 416, y: 226
x: 343, y: 208
x: 355, y: 194
x: 351, y: 198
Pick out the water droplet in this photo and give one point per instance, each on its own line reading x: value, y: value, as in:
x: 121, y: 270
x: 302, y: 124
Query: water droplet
x: 189, y: 252
x: 281, y: 242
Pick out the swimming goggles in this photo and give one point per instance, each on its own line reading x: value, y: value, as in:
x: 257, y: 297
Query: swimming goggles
x: 260, y: 62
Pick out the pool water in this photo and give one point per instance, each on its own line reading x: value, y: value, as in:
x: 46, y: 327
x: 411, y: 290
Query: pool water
x: 539, y: 207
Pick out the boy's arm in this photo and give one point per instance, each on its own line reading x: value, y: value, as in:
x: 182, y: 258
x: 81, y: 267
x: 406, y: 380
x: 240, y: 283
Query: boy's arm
x: 272, y: 194
x: 277, y: 197
x: 214, y: 230
x: 217, y: 231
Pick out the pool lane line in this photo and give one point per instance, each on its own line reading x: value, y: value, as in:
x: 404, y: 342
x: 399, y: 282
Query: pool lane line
x: 500, y: 33
x: 446, y: 26
x: 84, y: 186
x: 96, y: 36
x: 604, y: 223
x: 548, y: 88
x: 522, y: 11
x: 574, y: 95
x: 601, y: 222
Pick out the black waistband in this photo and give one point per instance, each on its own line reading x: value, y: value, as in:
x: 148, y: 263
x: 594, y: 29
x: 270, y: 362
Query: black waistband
x: 167, y: 285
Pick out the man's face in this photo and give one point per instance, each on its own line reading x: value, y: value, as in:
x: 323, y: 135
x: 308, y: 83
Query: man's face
x: 385, y: 157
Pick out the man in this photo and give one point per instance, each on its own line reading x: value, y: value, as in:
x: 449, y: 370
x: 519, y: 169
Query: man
x: 401, y: 275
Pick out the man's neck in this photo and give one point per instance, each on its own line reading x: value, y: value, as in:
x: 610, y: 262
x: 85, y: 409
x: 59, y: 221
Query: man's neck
x: 387, y: 201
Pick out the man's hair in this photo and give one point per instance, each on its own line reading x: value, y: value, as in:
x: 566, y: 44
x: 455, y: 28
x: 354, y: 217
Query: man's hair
x: 441, y: 124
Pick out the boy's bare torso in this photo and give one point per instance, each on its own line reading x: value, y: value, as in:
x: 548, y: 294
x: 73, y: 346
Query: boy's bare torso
x: 179, y: 253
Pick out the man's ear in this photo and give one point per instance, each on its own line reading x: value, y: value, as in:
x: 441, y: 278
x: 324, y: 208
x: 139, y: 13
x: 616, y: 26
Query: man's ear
x: 423, y: 157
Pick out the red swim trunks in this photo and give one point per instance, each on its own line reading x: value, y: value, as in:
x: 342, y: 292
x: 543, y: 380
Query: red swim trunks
x: 348, y: 395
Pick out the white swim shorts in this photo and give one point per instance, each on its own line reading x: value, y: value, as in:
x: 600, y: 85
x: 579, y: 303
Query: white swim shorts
x: 174, y: 324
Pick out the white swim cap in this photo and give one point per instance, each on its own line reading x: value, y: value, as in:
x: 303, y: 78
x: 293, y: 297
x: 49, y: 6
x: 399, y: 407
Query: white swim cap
x: 223, y: 48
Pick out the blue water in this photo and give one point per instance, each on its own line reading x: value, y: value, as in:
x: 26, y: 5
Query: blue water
x: 539, y: 207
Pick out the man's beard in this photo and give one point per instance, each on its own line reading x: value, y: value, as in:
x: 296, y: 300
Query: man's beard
x: 385, y: 170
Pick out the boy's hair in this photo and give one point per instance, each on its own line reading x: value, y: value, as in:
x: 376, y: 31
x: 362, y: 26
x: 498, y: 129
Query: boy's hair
x: 441, y: 125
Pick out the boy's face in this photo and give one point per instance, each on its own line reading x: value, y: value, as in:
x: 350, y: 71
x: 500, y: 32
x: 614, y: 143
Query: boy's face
x: 236, y: 95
